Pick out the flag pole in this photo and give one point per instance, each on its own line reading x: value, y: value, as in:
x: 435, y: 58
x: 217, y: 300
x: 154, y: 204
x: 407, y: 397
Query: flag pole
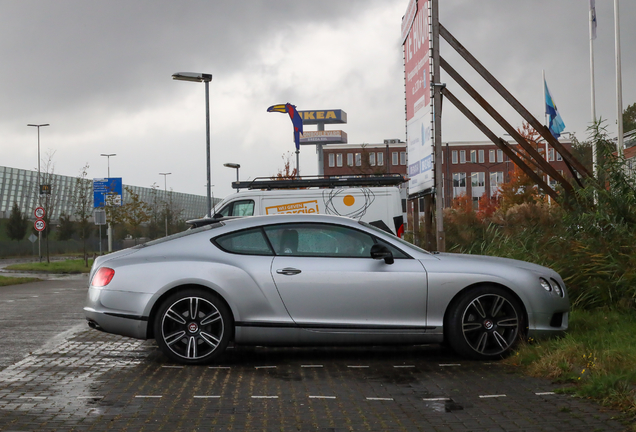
x: 547, y: 124
x: 593, y: 91
x: 619, y: 79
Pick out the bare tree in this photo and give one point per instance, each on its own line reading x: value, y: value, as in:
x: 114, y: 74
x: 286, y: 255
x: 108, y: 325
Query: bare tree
x: 83, y: 206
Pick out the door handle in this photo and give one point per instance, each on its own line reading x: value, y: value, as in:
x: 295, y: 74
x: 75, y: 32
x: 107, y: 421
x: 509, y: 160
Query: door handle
x: 288, y: 271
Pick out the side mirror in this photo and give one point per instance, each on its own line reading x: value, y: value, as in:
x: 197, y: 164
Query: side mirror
x: 379, y: 251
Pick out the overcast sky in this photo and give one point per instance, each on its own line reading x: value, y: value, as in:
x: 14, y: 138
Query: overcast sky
x: 100, y: 73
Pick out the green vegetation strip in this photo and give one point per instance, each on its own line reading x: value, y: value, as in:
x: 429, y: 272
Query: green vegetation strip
x: 5, y: 281
x: 596, y: 359
x: 66, y: 266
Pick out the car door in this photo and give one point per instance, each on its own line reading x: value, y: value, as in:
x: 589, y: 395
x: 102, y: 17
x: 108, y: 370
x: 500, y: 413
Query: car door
x: 326, y: 278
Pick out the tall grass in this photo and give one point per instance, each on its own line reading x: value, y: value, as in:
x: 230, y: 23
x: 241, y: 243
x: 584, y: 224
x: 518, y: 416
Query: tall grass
x: 589, y: 238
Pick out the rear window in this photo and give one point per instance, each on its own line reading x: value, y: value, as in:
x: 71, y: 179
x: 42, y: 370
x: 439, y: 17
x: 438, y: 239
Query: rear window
x: 247, y: 242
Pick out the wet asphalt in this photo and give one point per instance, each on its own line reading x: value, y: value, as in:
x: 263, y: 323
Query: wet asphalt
x: 58, y: 375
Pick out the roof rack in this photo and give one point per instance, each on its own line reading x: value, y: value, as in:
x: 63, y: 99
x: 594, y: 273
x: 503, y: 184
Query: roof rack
x: 321, y: 182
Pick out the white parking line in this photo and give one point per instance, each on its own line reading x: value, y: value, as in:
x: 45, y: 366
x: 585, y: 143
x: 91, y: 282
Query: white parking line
x: 264, y: 397
x: 206, y: 397
x: 34, y: 397
x: 172, y: 367
x: 264, y: 367
x: 449, y: 364
x: 357, y: 367
x: 310, y: 366
x: 439, y: 399
x: 90, y: 397
x: 321, y: 397
x: 148, y: 396
x: 492, y: 396
x: 379, y: 399
x: 403, y: 366
x: 545, y: 393
x: 219, y: 367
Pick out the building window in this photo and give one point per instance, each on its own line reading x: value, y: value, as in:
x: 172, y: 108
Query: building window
x: 491, y: 156
x: 559, y: 157
x: 358, y: 159
x: 372, y: 159
x: 380, y: 159
x: 349, y: 159
x: 459, y: 180
x: 500, y: 156
x: 473, y: 156
x: 332, y: 160
x: 339, y: 159
x: 454, y: 153
x: 394, y: 158
x: 462, y: 156
x: 402, y: 158
x: 496, y: 178
x: 481, y: 156
x: 551, y: 155
x: 477, y: 179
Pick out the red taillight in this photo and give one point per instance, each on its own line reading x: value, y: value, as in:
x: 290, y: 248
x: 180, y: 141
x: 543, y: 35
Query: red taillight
x: 103, y: 277
x: 400, y: 232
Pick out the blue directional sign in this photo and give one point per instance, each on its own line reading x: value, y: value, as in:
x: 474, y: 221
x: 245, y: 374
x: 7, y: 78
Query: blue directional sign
x: 107, y: 191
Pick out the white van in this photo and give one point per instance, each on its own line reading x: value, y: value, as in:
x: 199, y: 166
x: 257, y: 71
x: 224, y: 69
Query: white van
x: 379, y: 206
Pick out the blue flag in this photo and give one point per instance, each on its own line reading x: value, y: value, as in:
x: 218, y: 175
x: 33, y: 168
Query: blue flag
x: 556, y: 125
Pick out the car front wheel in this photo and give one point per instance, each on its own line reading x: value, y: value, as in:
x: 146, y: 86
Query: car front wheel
x: 193, y: 326
x: 485, y: 323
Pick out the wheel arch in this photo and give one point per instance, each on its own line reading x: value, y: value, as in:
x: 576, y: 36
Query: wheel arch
x: 477, y: 285
x: 155, y: 307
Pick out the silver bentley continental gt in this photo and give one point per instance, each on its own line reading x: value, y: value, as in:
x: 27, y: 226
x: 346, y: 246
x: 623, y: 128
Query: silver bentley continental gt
x: 292, y: 280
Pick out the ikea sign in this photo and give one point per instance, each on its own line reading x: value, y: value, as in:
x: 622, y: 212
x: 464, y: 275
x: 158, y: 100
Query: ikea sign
x: 323, y: 116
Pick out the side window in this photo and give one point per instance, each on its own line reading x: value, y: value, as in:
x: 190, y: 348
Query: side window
x: 248, y: 242
x: 322, y: 240
x: 243, y: 208
x: 238, y: 208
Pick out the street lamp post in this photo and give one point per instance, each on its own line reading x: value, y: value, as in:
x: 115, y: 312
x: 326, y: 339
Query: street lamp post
x: 109, y: 230
x: 165, y: 190
x: 206, y: 78
x: 108, y: 155
x: 39, y: 187
x: 235, y: 166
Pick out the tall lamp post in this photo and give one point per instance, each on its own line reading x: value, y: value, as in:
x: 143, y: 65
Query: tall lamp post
x: 165, y: 190
x: 109, y: 230
x: 108, y: 155
x: 235, y: 166
x: 39, y: 187
x: 206, y: 78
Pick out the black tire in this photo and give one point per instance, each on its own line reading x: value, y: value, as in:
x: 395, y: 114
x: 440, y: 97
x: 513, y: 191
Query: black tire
x: 485, y: 323
x: 193, y: 326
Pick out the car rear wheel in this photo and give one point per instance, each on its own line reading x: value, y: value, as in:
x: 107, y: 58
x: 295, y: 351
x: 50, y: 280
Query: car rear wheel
x: 485, y: 323
x: 193, y: 326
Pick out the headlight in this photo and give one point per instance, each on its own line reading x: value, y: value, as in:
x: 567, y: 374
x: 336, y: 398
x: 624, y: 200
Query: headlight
x: 557, y: 288
x: 545, y: 284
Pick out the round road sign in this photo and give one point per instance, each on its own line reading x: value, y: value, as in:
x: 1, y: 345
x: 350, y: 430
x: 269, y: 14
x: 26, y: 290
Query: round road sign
x: 39, y: 225
x: 39, y: 212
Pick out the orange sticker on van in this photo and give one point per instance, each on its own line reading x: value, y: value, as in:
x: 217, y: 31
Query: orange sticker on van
x: 292, y: 208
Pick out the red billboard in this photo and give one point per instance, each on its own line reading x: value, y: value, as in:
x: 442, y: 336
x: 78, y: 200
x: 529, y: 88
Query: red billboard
x: 416, y: 34
x: 417, y: 69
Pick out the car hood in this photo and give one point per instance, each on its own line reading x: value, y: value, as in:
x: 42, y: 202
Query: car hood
x: 484, y: 259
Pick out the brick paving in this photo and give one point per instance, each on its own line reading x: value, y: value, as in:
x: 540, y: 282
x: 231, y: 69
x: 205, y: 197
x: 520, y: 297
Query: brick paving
x: 98, y: 382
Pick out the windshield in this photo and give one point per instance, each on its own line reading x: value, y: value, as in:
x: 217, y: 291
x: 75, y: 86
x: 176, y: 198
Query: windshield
x: 394, y: 237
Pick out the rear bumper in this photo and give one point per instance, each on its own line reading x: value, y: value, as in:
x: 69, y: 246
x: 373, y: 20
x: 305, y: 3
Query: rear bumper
x: 117, y: 312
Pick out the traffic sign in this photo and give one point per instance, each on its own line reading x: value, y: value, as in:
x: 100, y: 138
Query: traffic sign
x: 39, y: 225
x: 39, y: 212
